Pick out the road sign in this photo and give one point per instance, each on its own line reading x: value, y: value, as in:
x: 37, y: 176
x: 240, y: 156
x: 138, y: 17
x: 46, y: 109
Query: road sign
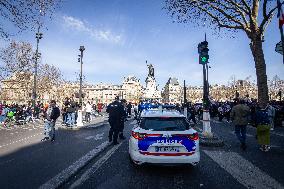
x: 279, y: 48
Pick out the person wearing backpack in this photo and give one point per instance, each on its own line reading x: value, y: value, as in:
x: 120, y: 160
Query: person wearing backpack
x: 263, y: 128
x: 51, y: 114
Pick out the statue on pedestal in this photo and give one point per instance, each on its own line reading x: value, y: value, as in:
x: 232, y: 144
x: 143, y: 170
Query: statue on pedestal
x: 151, y: 70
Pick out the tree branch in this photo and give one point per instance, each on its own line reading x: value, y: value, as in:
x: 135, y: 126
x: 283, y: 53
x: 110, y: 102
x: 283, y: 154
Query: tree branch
x: 266, y: 17
x: 240, y: 10
x: 220, y: 24
x: 226, y: 15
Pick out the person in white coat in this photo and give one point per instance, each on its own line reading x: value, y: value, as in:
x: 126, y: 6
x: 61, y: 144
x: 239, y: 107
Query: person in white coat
x: 88, y: 112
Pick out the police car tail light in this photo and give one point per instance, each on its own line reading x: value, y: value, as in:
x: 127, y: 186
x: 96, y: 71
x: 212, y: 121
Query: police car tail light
x: 154, y: 135
x: 193, y: 136
x: 139, y: 136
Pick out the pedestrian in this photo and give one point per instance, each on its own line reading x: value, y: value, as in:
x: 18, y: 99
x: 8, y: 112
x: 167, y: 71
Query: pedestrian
x: 2, y: 113
x: 123, y: 119
x: 88, y: 112
x: 239, y: 115
x: 220, y: 113
x: 135, y: 111
x: 271, y: 115
x: 227, y: 110
x: 116, y: 113
x: 190, y: 112
x: 99, y: 108
x: 129, y: 106
x: 51, y: 114
x: 263, y: 128
x: 177, y: 107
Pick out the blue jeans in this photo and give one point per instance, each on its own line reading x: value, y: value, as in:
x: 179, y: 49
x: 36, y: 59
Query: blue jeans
x: 49, y: 129
x: 240, y: 131
x: 71, y: 118
x: 2, y: 118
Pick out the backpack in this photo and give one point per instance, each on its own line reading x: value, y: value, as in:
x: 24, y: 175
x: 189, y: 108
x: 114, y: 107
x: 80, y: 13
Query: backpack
x: 262, y: 117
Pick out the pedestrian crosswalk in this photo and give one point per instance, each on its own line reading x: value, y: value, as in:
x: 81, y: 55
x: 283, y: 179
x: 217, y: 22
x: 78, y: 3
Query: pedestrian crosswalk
x: 243, y: 170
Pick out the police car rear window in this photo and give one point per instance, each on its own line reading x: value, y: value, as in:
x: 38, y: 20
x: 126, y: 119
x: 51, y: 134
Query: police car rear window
x: 164, y: 124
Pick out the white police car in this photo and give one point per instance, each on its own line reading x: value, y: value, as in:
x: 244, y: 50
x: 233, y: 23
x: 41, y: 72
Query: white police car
x: 163, y: 137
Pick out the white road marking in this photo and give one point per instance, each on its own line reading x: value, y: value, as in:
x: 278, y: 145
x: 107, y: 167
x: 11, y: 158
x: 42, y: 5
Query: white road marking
x: 60, y: 178
x: 89, y: 137
x: 278, y: 134
x: 20, y: 140
x: 95, y: 167
x: 243, y: 171
x: 249, y: 135
x: 97, y: 137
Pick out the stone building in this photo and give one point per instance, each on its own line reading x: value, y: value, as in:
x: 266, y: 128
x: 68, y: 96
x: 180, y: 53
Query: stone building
x: 172, y: 92
x: 132, y: 89
x: 102, y: 93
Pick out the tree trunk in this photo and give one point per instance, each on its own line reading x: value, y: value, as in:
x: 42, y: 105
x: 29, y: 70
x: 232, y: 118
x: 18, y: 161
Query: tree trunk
x: 260, y: 67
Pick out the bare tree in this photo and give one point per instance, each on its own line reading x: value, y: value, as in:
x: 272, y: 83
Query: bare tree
x: 17, y: 58
x: 49, y: 76
x: 18, y: 69
x: 234, y: 15
x: 24, y: 14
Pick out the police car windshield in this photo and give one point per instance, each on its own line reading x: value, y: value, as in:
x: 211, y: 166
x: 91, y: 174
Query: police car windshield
x: 164, y: 124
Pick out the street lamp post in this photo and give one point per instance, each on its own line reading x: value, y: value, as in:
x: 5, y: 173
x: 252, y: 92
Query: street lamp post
x: 81, y: 49
x: 37, y: 55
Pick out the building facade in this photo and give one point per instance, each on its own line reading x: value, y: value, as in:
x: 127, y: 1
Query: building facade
x: 19, y: 88
x: 172, y: 92
x: 132, y: 89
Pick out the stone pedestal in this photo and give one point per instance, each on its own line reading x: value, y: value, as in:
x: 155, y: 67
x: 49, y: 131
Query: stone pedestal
x: 151, y: 91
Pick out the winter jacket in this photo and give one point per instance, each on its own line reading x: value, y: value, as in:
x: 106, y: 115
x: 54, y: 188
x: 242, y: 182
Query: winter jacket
x: 240, y: 114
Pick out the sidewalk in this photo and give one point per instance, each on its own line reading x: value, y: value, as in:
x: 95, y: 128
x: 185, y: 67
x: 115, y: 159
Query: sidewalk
x: 96, y: 122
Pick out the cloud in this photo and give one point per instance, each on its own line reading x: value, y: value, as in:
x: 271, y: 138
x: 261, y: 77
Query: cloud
x: 82, y: 26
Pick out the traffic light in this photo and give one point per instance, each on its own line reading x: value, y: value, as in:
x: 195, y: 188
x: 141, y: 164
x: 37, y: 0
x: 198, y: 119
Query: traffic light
x: 203, y: 52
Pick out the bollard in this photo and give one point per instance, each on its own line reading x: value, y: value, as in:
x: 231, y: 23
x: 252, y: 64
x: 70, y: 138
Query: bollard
x: 80, y: 119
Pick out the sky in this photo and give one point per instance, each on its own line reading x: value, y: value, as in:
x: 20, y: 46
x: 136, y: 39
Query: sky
x: 120, y: 35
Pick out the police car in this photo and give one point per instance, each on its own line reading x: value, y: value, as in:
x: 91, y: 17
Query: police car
x: 163, y: 137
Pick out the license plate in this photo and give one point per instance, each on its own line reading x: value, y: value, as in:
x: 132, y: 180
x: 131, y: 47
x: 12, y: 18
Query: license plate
x: 166, y: 149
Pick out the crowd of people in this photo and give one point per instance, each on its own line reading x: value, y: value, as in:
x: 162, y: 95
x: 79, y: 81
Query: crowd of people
x: 240, y: 112
x: 243, y: 112
x: 24, y: 113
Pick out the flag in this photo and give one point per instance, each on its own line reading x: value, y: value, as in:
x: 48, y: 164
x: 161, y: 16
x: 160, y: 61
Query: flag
x: 280, y: 14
